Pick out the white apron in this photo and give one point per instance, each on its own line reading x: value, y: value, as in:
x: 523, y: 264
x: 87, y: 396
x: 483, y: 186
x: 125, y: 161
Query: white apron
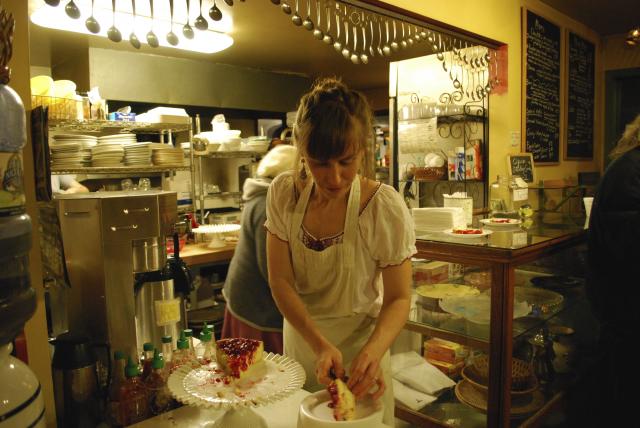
x: 324, y: 283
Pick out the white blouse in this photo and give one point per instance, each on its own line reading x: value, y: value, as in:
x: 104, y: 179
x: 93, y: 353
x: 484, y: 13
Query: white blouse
x: 386, y: 236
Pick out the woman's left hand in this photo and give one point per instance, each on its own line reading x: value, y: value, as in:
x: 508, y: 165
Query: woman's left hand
x: 365, y: 373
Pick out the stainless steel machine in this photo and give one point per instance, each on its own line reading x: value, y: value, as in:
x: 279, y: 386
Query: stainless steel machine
x: 111, y: 240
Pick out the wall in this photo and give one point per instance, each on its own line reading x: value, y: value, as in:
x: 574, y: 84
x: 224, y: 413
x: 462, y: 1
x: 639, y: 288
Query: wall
x: 36, y: 328
x: 500, y: 20
x: 154, y: 79
x: 618, y: 55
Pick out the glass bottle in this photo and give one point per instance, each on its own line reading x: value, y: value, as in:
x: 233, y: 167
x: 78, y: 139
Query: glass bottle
x: 146, y: 358
x: 206, y: 348
x: 167, y: 352
x: 156, y: 386
x: 518, y: 192
x: 189, y: 334
x: 499, y: 197
x: 181, y: 354
x: 115, y: 416
x: 133, y: 396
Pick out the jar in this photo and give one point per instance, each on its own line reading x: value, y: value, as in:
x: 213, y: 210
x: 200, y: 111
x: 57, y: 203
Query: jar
x: 499, y: 198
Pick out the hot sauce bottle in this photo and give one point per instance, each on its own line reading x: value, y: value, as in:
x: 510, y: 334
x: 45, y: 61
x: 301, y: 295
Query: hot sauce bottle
x: 133, y: 396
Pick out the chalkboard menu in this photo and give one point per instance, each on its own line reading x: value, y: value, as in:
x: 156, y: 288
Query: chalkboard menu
x: 580, y: 98
x: 542, y: 89
x: 521, y: 165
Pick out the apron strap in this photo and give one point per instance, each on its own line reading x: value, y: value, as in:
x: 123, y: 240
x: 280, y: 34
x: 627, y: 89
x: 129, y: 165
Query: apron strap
x: 298, y: 213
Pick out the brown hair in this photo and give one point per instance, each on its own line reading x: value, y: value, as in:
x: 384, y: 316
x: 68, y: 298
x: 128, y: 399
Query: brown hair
x: 328, y: 118
x: 630, y: 139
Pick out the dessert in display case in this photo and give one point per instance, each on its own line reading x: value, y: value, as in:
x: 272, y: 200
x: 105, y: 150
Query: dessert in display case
x: 242, y: 377
x: 503, y: 318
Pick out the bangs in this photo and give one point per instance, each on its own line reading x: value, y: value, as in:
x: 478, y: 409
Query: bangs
x: 331, y: 133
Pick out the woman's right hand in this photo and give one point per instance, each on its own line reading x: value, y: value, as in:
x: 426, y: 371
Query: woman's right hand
x: 329, y: 357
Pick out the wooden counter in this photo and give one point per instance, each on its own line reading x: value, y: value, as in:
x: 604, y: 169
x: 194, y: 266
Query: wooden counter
x: 200, y: 254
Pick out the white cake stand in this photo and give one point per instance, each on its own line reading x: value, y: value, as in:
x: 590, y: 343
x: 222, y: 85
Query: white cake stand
x: 275, y: 378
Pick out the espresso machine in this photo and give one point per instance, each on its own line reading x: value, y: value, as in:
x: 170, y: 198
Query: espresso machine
x: 114, y: 244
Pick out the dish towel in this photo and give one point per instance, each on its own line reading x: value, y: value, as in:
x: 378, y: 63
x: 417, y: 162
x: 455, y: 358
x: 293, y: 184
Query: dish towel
x: 415, y: 400
x: 415, y: 372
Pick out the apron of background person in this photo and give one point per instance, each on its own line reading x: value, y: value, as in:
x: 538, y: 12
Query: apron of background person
x: 324, y: 282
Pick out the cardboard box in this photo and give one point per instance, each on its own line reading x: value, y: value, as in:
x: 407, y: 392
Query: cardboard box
x: 430, y: 272
x: 451, y: 370
x: 445, y: 351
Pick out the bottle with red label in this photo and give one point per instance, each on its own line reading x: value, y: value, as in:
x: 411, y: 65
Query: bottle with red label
x: 133, y: 395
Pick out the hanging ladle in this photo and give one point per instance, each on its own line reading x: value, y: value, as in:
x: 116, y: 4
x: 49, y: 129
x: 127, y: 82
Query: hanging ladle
x: 337, y: 45
x: 363, y: 56
x: 286, y: 8
x: 113, y: 33
x: 72, y: 10
x: 172, y: 39
x: 296, y: 18
x: 133, y: 39
x: 187, y: 31
x: 92, y: 23
x: 386, y: 49
x: 308, y: 23
x: 52, y: 3
x: 152, y: 39
x: 372, y: 50
x: 229, y: 2
x: 394, y: 44
x: 317, y: 33
x: 214, y: 12
x: 201, y: 23
x: 327, y: 35
x: 346, y: 53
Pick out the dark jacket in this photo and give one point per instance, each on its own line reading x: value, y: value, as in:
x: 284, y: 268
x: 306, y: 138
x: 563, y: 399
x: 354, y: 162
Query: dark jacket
x: 613, y: 284
x: 246, y: 288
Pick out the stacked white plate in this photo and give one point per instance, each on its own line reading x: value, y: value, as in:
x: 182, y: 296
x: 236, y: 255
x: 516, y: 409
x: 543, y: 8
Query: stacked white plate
x: 137, y: 154
x: 121, y: 139
x: 167, y: 155
x: 67, y: 155
x: 63, y: 154
x: 107, y: 155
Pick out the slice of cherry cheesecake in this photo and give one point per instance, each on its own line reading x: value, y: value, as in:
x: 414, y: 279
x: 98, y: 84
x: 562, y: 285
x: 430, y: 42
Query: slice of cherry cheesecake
x: 342, y: 401
x: 237, y: 355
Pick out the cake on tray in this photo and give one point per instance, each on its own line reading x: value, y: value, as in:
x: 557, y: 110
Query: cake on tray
x: 237, y: 356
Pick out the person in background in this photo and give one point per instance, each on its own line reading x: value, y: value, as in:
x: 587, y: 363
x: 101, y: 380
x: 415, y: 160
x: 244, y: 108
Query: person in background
x: 66, y: 184
x: 251, y: 311
x: 612, y: 281
x: 339, y: 248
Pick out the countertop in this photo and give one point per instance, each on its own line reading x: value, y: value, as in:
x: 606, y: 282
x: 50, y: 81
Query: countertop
x: 200, y: 254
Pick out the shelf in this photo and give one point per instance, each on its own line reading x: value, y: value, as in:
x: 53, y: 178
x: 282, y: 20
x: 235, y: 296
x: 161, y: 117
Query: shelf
x: 99, y: 125
x: 231, y: 155
x: 450, y: 118
x: 222, y: 195
x: 118, y: 169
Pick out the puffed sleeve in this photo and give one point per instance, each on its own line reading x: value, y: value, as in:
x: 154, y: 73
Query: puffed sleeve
x: 280, y: 198
x: 392, y: 236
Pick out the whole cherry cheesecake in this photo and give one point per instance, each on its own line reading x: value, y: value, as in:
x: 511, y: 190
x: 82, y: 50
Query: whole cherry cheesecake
x: 238, y: 355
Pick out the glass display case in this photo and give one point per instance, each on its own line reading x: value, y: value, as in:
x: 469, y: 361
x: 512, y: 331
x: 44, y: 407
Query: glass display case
x: 503, y: 314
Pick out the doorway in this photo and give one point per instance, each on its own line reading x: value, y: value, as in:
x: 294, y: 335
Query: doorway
x: 622, y: 105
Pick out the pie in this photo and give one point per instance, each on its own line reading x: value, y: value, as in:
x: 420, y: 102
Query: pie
x: 342, y: 402
x: 237, y: 355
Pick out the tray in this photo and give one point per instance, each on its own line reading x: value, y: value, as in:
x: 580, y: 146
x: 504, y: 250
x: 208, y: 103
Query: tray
x: 278, y: 378
x: 521, y: 407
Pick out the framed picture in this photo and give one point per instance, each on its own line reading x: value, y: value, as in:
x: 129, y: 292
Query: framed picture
x: 521, y: 164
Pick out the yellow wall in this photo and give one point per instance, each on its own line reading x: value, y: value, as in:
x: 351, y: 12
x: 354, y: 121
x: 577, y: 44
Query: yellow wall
x: 500, y: 20
x: 618, y: 55
x: 36, y: 328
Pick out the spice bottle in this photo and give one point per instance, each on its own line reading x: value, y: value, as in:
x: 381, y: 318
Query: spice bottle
x: 167, y: 352
x: 115, y: 416
x: 156, y: 386
x: 206, y: 345
x: 181, y: 354
x: 133, y: 397
x: 191, y: 350
x: 146, y: 358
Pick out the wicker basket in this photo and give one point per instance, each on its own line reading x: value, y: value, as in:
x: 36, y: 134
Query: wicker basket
x: 429, y: 173
x: 523, y: 381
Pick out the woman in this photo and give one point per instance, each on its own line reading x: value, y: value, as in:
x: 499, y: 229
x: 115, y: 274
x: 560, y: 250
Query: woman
x: 612, y: 284
x: 250, y: 310
x: 339, y: 248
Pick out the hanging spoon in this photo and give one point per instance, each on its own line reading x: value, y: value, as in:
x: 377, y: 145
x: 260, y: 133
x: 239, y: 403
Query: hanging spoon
x: 379, y: 47
x: 172, y: 39
x: 152, y: 39
x: 296, y: 18
x: 276, y: 2
x: 386, y: 49
x: 372, y: 50
x: 409, y: 36
x: 328, y: 39
x: 355, y: 58
x: 363, y: 56
x: 308, y: 23
x: 201, y: 23
x: 187, y: 31
x: 317, y: 33
x: 113, y: 33
x: 229, y: 2
x: 52, y: 3
x: 337, y: 45
x: 286, y: 8
x: 92, y: 23
x: 394, y: 44
x: 403, y: 42
x: 133, y: 39
x: 214, y: 12
x: 346, y: 53
x: 72, y: 10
